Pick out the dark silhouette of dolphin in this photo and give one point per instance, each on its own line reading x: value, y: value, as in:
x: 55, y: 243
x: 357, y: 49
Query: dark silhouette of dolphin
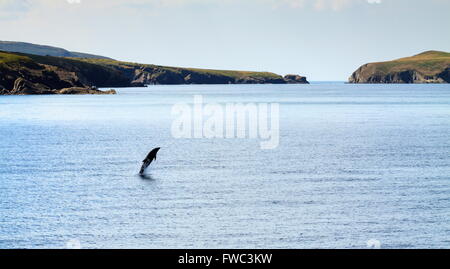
x: 148, y: 160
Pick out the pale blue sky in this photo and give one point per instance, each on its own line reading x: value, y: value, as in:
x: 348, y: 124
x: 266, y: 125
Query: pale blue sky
x: 322, y: 39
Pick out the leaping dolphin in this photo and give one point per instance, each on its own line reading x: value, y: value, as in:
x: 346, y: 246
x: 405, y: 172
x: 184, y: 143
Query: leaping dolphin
x: 148, y: 160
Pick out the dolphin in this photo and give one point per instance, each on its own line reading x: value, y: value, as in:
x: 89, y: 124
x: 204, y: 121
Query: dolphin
x: 148, y: 160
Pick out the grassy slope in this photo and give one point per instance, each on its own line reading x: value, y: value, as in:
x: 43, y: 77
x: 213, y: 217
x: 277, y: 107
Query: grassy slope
x: 10, y: 58
x: 229, y: 73
x: 427, y: 63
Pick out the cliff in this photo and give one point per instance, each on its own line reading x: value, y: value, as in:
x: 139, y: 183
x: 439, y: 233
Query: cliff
x: 147, y: 74
x: 427, y: 67
x: 22, y: 74
x: 35, y: 74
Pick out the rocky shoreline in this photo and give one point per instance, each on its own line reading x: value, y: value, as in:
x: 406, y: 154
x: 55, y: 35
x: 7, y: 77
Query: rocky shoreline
x: 24, y: 87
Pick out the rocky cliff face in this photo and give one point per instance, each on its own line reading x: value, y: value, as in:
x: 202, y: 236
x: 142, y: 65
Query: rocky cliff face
x: 25, y: 87
x: 366, y: 74
x: 295, y: 79
x: 427, y: 67
x: 164, y: 76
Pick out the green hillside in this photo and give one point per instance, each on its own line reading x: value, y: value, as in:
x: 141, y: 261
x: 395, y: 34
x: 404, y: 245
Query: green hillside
x: 429, y: 63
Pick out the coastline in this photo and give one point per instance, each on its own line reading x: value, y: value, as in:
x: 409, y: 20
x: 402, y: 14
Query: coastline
x: 24, y: 74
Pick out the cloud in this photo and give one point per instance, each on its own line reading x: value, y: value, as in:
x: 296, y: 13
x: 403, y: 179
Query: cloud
x: 328, y: 4
x: 14, y: 9
x: 11, y: 9
x: 19, y: 6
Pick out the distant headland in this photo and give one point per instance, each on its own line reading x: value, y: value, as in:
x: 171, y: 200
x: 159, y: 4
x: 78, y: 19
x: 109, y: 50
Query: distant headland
x: 35, y: 69
x: 427, y: 67
x: 29, y: 48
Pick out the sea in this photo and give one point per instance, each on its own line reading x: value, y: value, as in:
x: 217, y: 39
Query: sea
x: 355, y: 166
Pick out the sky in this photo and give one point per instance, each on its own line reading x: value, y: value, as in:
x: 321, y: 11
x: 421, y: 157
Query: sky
x: 325, y: 40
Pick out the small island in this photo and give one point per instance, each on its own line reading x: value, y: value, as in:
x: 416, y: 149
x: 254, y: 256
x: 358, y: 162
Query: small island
x: 427, y: 67
x: 27, y: 71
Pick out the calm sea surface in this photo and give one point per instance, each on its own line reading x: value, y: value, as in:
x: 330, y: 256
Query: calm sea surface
x: 355, y: 163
